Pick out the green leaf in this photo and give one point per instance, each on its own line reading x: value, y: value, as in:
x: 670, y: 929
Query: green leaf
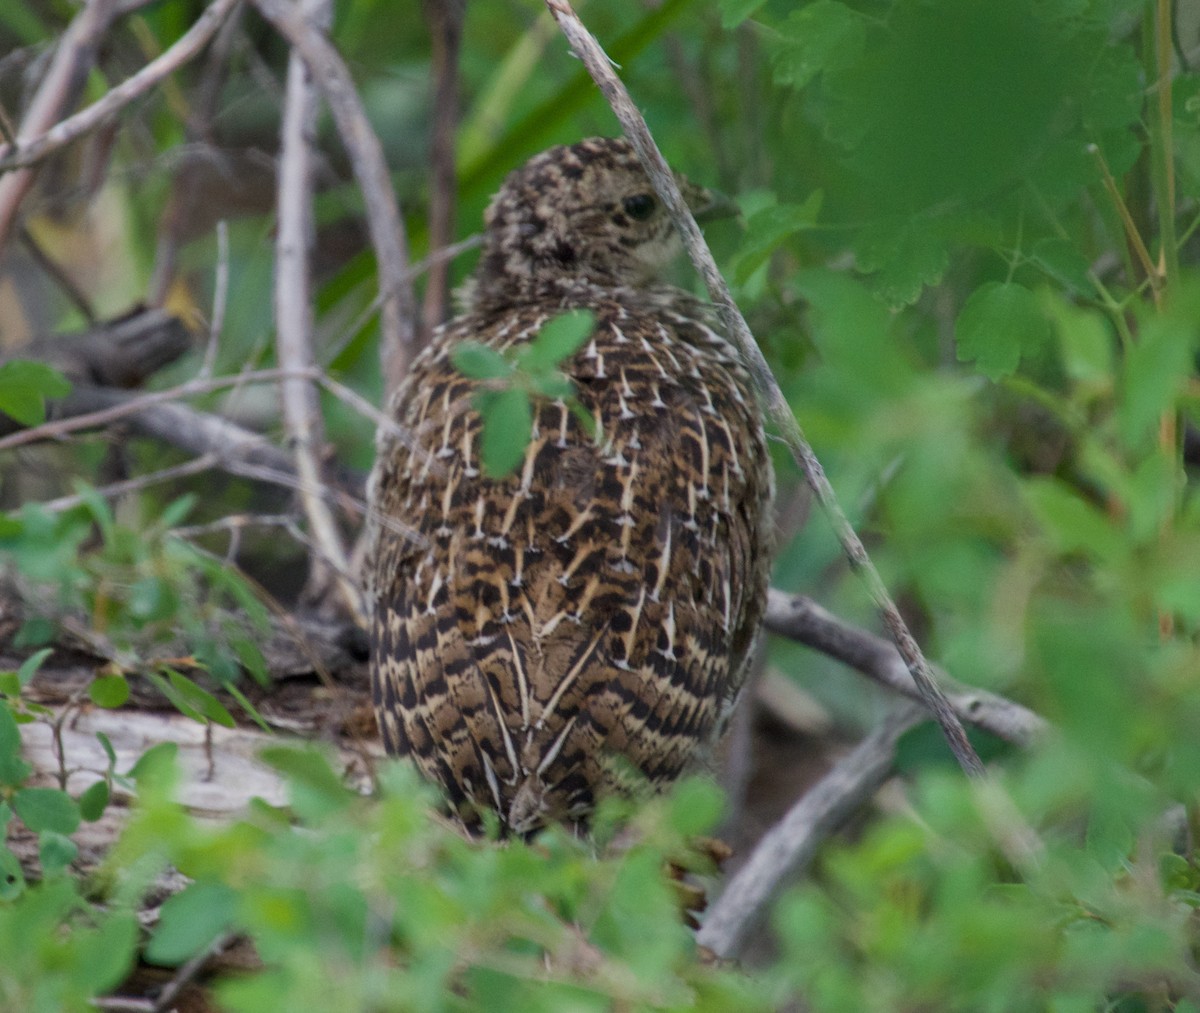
x: 190, y: 921
x: 107, y: 746
x: 1072, y: 523
x: 247, y: 706
x: 819, y: 37
x: 94, y: 801
x: 12, y: 877
x: 479, y: 362
x: 507, y: 428
x: 999, y: 323
x: 734, y: 12
x: 769, y: 228
x: 24, y: 387
x: 13, y: 770
x: 106, y: 956
x: 175, y: 511
x: 156, y: 766
x: 55, y: 852
x: 109, y: 691
x: 1155, y: 371
x: 190, y: 699
x: 31, y: 664
x: 316, y: 788
x: 1085, y: 340
x: 558, y: 340
x: 47, y: 809
x: 695, y: 806
x: 904, y: 260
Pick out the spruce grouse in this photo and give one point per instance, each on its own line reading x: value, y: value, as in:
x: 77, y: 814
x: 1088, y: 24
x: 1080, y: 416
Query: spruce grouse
x: 536, y: 636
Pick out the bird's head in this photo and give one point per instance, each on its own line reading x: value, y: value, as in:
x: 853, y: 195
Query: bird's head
x: 581, y: 212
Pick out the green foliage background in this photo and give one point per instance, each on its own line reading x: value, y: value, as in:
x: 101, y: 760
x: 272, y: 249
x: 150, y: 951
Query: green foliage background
x: 943, y: 205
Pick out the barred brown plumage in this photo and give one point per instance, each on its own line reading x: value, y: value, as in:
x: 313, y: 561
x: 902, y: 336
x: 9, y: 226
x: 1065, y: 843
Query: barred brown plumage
x: 599, y: 606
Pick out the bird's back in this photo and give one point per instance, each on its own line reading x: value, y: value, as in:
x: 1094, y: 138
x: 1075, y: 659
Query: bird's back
x: 594, y: 611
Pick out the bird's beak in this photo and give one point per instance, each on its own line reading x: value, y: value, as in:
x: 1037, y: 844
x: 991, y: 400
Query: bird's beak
x: 709, y: 205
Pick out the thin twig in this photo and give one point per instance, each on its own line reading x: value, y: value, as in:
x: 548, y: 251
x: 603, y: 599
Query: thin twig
x: 72, y: 60
x: 137, y: 484
x: 802, y: 619
x: 58, y: 428
x: 599, y: 66
x: 293, y: 314
x: 790, y: 845
x: 444, y: 255
x: 75, y: 295
x: 445, y: 18
x: 220, y: 296
x: 49, y: 138
x: 399, y: 313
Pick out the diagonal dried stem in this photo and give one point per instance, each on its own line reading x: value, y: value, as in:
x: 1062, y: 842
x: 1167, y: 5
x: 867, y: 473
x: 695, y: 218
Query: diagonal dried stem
x: 600, y: 67
x: 399, y: 310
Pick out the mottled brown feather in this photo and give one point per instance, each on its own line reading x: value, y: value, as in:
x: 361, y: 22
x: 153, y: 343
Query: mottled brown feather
x: 596, y: 609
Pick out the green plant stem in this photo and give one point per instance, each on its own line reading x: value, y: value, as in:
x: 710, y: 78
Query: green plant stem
x: 1162, y: 149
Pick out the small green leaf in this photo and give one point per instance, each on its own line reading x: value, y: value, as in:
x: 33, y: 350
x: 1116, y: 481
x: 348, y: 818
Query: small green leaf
x: 200, y: 699
x: 12, y: 878
x: 31, y: 664
x: 999, y: 322
x: 176, y: 511
x: 107, y: 746
x: 190, y: 699
x: 315, y: 788
x: 770, y: 228
x: 47, y: 809
x: 13, y: 770
x: 109, y: 691
x: 1155, y: 371
x: 818, y: 37
x: 247, y: 706
x: 479, y: 362
x: 557, y: 341
x: 156, y: 766
x: 190, y: 921
x: 552, y: 385
x: 507, y: 428
x: 1070, y: 522
x: 10, y: 685
x: 24, y: 387
x: 55, y: 852
x: 94, y: 801
x: 734, y: 12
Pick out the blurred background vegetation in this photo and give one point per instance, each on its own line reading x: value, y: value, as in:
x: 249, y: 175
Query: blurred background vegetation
x: 968, y: 248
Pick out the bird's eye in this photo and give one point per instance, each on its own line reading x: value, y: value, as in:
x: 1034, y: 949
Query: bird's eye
x: 640, y: 206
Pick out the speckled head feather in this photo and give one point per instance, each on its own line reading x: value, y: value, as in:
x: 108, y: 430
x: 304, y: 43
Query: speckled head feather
x: 580, y: 212
x: 594, y: 612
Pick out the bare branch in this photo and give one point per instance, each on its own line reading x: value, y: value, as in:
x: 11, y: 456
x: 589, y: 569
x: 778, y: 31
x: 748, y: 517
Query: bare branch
x: 293, y: 314
x: 127, y: 407
x: 137, y: 484
x: 399, y: 313
x: 72, y: 60
x: 220, y: 296
x: 803, y: 620
x: 790, y: 845
x: 599, y: 66
x: 30, y: 150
